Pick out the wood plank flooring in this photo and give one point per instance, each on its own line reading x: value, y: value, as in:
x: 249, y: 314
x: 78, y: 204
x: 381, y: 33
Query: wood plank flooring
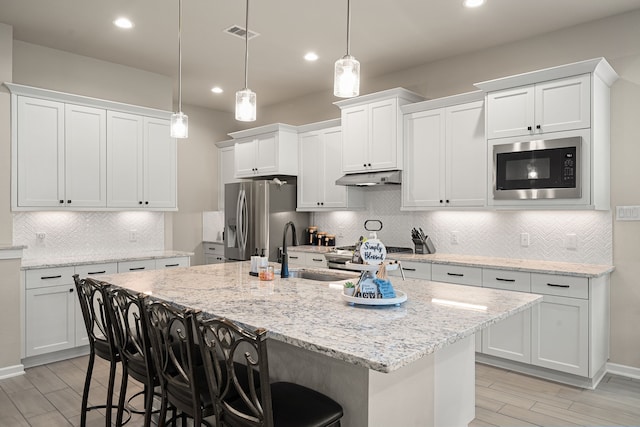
x: 50, y: 396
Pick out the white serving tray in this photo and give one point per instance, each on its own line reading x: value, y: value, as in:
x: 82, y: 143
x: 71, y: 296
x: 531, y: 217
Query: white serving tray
x: 399, y: 299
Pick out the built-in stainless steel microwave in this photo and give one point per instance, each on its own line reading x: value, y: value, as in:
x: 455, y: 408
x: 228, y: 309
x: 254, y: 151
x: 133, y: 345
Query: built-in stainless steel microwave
x: 540, y: 169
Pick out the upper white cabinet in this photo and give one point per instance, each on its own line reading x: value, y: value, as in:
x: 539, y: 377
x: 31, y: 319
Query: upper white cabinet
x: 141, y: 164
x: 561, y: 102
x: 320, y: 151
x: 226, y: 168
x: 61, y: 155
x: 445, y: 148
x: 266, y: 150
x: 372, y: 130
x: 552, y: 106
x: 70, y: 152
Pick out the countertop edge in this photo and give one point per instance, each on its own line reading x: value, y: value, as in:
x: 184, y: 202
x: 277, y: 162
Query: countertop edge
x: 101, y: 259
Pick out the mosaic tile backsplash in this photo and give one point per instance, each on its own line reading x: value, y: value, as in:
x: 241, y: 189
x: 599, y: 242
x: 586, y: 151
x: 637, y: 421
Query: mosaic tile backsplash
x: 486, y: 233
x: 69, y: 234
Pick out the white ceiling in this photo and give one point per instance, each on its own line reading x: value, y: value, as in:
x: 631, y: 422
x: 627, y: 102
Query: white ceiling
x: 385, y: 36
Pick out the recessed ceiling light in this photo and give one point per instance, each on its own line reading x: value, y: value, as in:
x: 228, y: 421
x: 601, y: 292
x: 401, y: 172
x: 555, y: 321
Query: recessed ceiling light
x: 217, y: 89
x: 123, y: 22
x: 473, y: 3
x: 311, y: 56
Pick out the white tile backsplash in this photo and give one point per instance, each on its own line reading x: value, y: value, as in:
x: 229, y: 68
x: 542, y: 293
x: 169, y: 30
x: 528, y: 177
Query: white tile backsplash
x: 487, y: 233
x: 70, y: 234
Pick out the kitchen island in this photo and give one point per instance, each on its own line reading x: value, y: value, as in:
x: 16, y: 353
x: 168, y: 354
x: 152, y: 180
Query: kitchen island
x: 407, y: 365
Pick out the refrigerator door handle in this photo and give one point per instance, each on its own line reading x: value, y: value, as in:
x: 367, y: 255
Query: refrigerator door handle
x: 242, y: 220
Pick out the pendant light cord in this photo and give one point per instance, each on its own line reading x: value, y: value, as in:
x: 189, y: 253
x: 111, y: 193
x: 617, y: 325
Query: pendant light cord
x: 180, y: 56
x: 348, y: 27
x: 246, y: 48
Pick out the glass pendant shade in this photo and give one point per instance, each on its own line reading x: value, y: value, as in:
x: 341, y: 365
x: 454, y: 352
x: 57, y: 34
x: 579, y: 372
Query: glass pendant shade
x: 346, y: 80
x: 245, y: 105
x: 179, y: 125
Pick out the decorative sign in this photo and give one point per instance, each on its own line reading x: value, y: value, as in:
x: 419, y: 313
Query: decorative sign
x: 373, y: 252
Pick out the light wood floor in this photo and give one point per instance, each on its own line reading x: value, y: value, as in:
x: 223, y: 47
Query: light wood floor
x: 50, y: 396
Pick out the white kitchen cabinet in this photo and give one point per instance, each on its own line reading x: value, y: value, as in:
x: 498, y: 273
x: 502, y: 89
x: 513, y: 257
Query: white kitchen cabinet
x: 226, y: 168
x: 297, y: 259
x: 458, y: 274
x: 510, y: 338
x: 141, y: 170
x: 550, y: 106
x: 372, y: 130
x: 267, y: 150
x: 413, y: 270
x: 213, y: 252
x: 61, y: 155
x: 136, y: 265
x: 320, y: 153
x: 172, y: 262
x: 560, y: 324
x: 306, y: 259
x: 443, y: 151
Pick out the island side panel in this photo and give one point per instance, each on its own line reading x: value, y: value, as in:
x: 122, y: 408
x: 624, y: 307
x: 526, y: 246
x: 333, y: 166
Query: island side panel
x: 345, y: 383
x: 455, y: 383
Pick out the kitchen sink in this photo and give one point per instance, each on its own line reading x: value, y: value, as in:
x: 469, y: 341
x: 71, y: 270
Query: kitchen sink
x: 321, y: 276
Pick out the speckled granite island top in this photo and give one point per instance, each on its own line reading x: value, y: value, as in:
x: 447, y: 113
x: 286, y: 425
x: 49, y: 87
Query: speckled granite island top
x: 312, y: 315
x: 28, y: 264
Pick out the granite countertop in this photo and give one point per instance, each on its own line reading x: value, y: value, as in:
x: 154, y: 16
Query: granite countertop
x: 311, y: 315
x: 528, y: 265
x: 28, y: 264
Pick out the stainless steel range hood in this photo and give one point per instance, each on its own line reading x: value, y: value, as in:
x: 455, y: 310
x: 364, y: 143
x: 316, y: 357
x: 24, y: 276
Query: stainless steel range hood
x: 367, y: 179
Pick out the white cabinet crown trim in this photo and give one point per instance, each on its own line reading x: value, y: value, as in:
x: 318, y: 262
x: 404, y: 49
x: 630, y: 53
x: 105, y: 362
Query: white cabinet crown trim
x: 448, y: 101
x: 52, y: 95
x: 598, y: 66
x: 397, y: 92
x: 275, y: 127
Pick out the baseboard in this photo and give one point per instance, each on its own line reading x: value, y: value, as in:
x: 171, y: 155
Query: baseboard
x: 623, y: 370
x: 11, y: 371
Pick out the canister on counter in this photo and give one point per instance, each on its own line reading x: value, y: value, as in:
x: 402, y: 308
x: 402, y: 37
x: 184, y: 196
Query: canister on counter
x: 311, y: 235
x: 330, y: 240
x: 320, y: 238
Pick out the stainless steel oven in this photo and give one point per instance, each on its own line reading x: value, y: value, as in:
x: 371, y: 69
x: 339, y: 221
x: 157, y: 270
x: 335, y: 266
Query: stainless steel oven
x: 539, y: 169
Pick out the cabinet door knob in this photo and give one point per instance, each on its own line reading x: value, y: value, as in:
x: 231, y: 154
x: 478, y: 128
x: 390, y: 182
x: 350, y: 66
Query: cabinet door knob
x: 364, y: 165
x: 69, y: 201
x: 70, y: 290
x: 369, y: 164
x: 447, y: 200
x: 146, y: 203
x: 140, y: 202
x: 538, y: 126
x: 440, y: 200
x: 528, y: 127
x: 321, y: 203
x: 61, y: 201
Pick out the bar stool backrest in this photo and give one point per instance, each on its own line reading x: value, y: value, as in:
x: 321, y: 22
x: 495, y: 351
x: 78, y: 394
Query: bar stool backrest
x: 237, y: 369
x: 91, y: 294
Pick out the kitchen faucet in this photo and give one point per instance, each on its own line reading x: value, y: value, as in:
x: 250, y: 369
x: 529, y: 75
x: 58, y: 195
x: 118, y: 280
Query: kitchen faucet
x: 284, y: 267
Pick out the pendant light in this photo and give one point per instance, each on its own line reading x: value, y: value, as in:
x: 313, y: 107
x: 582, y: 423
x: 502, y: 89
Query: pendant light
x: 246, y: 98
x: 346, y: 79
x: 179, y: 120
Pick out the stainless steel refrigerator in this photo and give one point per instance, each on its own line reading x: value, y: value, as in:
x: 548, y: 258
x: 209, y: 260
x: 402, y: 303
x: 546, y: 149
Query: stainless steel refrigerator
x: 255, y: 215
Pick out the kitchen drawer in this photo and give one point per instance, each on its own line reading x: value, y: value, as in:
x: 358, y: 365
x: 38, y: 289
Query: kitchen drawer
x: 564, y: 286
x: 509, y: 280
x: 46, y: 277
x: 213, y: 248
x: 315, y: 260
x: 172, y: 262
x: 297, y: 258
x: 214, y: 258
x: 414, y: 270
x: 96, y: 269
x: 139, y: 265
x: 457, y: 274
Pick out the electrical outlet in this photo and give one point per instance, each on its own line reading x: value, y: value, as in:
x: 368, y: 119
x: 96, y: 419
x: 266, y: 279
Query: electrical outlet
x: 41, y: 235
x: 133, y: 236
x: 455, y: 237
x: 571, y: 241
x: 524, y: 239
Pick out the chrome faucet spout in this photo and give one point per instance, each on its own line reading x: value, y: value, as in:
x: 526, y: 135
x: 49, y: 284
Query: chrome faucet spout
x: 284, y: 266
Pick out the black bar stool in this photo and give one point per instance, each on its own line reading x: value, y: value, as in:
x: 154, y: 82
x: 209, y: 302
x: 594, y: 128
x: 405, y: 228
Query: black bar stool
x: 255, y: 402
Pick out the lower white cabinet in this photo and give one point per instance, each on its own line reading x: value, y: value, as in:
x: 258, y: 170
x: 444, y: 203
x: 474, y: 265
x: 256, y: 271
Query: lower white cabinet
x: 510, y: 338
x: 52, y: 316
x: 458, y: 274
x: 136, y: 265
x: 413, y: 270
x: 213, y: 253
x: 307, y: 259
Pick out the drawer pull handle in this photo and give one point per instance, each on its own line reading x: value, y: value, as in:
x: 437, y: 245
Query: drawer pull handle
x: 500, y: 279
x: 51, y: 277
x: 408, y: 269
x: 212, y: 249
x: 317, y: 259
x: 171, y: 265
x: 293, y: 257
x: 455, y: 274
x: 554, y: 285
x: 96, y: 272
x: 136, y: 268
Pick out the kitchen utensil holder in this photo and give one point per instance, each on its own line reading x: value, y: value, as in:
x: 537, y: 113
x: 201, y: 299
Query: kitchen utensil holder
x: 424, y: 246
